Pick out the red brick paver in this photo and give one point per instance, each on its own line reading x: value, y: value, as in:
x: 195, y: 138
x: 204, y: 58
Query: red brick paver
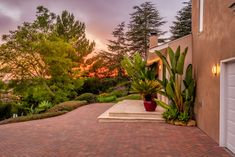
x: 78, y: 134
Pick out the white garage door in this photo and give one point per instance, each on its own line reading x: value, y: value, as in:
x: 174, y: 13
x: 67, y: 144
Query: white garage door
x: 230, y: 106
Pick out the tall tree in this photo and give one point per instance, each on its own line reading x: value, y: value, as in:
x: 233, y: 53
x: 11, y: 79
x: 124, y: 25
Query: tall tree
x: 183, y: 24
x: 44, y: 48
x: 111, y: 60
x: 73, y: 32
x: 144, y: 20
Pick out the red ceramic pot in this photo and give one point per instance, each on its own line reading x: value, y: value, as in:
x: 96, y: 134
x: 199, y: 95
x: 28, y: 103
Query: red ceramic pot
x: 150, y: 106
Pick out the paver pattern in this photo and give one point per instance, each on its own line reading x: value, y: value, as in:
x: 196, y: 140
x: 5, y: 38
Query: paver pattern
x: 79, y: 134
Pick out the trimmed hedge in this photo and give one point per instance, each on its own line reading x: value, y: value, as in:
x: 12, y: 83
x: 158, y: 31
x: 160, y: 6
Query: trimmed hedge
x: 89, y: 97
x: 67, y: 106
x: 32, y: 117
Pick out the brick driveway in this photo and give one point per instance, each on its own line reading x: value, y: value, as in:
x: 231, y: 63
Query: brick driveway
x: 78, y: 134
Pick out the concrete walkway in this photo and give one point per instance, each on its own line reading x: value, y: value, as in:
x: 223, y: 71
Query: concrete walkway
x: 131, y: 111
x: 78, y: 134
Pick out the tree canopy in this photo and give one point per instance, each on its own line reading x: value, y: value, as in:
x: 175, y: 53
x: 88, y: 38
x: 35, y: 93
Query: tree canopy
x: 52, y: 45
x: 183, y: 24
x: 144, y: 20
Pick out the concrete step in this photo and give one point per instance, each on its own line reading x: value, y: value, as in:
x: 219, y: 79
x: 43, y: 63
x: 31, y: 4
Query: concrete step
x: 130, y: 111
x: 105, y: 117
x: 136, y: 114
x: 125, y: 119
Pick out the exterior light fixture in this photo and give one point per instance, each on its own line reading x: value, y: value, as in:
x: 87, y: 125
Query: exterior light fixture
x: 215, y: 70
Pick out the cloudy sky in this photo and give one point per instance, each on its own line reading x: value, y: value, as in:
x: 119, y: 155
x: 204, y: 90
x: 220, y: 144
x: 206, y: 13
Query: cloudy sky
x: 100, y: 16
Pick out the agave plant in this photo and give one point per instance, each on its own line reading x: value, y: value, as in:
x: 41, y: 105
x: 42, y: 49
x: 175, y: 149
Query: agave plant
x: 43, y: 106
x: 182, y: 99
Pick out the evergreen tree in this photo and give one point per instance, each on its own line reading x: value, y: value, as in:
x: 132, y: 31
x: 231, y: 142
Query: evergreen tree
x: 111, y: 60
x: 145, y: 20
x: 183, y: 24
x: 73, y: 32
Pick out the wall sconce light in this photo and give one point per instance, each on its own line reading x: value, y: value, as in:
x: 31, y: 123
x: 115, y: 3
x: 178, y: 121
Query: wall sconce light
x: 215, y: 70
x: 160, y: 67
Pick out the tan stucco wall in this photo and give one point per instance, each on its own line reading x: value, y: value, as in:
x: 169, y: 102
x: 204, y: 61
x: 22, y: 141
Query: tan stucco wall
x: 215, y: 43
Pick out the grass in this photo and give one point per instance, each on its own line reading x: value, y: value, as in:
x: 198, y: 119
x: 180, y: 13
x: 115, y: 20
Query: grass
x: 103, y: 99
x: 57, y: 110
x: 130, y: 97
x: 109, y: 98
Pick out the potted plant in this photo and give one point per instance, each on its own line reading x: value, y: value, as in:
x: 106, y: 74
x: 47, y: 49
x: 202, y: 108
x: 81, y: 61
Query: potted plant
x: 148, y: 89
x: 143, y: 79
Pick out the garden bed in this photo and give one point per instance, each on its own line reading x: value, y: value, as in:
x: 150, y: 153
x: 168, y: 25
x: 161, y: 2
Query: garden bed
x: 190, y: 123
x: 57, y: 110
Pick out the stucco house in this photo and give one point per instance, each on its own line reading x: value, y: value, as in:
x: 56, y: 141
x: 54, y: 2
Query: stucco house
x: 212, y: 53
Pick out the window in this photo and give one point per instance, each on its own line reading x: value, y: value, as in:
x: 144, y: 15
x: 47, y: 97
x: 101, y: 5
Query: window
x: 201, y: 11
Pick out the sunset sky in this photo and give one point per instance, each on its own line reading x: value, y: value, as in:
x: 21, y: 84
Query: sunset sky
x: 100, y: 16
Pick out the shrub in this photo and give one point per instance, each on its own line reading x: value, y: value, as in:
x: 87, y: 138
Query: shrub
x: 89, y: 97
x: 2, y: 85
x: 36, y: 94
x: 107, y: 98
x: 43, y: 106
x: 105, y: 95
x: 54, y: 90
x: 171, y: 114
x: 5, y: 110
x: 67, y: 106
x: 184, y: 117
x: 21, y: 109
x: 8, y: 109
x: 97, y: 85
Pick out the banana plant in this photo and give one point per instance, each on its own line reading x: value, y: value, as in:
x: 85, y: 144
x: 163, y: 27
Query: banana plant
x: 136, y: 68
x: 189, y: 91
x: 182, y: 99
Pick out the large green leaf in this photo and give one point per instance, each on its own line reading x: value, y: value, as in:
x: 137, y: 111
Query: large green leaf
x: 169, y: 90
x: 165, y: 62
x: 162, y: 104
x: 172, y: 58
x: 177, y: 54
x: 188, y: 75
x: 180, y: 63
x: 191, y: 88
x: 162, y: 93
